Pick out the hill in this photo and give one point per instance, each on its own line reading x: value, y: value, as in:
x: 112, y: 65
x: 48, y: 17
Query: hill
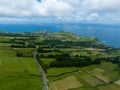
x: 71, y: 62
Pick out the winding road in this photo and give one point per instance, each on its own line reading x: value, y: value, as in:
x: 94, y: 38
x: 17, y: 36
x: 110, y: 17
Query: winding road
x: 44, y: 78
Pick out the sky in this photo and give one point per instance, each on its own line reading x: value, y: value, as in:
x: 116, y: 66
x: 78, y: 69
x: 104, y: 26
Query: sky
x: 44, y: 11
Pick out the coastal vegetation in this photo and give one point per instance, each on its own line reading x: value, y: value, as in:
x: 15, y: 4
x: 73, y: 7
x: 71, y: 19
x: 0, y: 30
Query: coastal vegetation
x: 71, y: 62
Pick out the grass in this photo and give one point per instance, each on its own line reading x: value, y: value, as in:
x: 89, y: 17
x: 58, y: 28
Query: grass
x: 98, y: 73
x: 106, y: 72
x: 117, y: 82
x: 18, y: 73
x: 5, y: 39
x: 88, y: 68
x: 57, y: 74
x: 109, y: 87
x: 92, y: 80
x: 108, y: 66
x: 47, y: 61
x: 49, y: 53
x: 54, y: 74
x: 84, y: 53
x: 99, y: 77
x: 65, y: 84
x: 94, y: 77
x: 23, y: 71
x: 21, y: 82
x: 5, y: 45
x: 59, y: 71
x: 83, y: 88
x: 7, y: 53
x: 110, y: 70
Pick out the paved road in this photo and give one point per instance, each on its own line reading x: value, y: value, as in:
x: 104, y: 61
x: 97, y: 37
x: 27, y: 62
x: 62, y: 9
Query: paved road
x: 45, y: 87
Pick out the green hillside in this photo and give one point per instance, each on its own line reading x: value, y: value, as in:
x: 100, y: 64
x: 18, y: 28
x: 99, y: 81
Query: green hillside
x: 71, y: 62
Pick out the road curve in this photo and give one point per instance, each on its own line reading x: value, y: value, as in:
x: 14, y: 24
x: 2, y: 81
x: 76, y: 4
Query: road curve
x: 44, y: 78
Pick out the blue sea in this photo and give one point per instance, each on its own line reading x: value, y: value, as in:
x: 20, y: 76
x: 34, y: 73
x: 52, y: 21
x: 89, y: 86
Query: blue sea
x: 106, y: 33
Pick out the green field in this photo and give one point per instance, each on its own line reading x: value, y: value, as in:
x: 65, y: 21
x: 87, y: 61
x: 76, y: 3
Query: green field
x: 109, y: 87
x: 47, y: 61
x: 71, y: 62
x: 90, y: 77
x: 18, y: 73
x: 65, y: 84
x: 91, y: 80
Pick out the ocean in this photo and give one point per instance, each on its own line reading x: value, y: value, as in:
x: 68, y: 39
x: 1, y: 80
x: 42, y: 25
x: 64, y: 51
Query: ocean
x: 108, y: 34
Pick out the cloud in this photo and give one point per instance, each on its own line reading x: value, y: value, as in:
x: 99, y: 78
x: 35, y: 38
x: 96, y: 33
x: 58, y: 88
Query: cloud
x: 34, y: 8
x: 13, y: 20
x: 93, y: 16
x: 106, y: 5
x: 60, y: 10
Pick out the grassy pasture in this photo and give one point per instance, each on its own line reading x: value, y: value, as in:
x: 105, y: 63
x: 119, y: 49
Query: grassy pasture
x: 109, y: 87
x: 7, y: 53
x: 92, y: 80
x: 5, y: 45
x: 59, y: 71
x: 98, y: 73
x: 25, y: 52
x: 21, y: 82
x: 23, y: 71
x: 57, y: 74
x: 108, y: 66
x: 18, y: 73
x: 94, y: 77
x: 54, y: 74
x: 84, y: 53
x: 117, y: 82
x: 25, y: 49
x: 47, y: 61
x: 110, y: 70
x: 65, y: 84
x: 106, y: 72
x: 5, y: 39
x: 26, y: 76
x: 83, y: 88
x: 49, y: 53
x: 70, y: 49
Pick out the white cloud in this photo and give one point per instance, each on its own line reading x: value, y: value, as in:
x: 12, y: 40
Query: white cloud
x: 60, y: 10
x: 14, y: 20
x: 106, y: 5
x: 34, y: 8
x: 93, y: 16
